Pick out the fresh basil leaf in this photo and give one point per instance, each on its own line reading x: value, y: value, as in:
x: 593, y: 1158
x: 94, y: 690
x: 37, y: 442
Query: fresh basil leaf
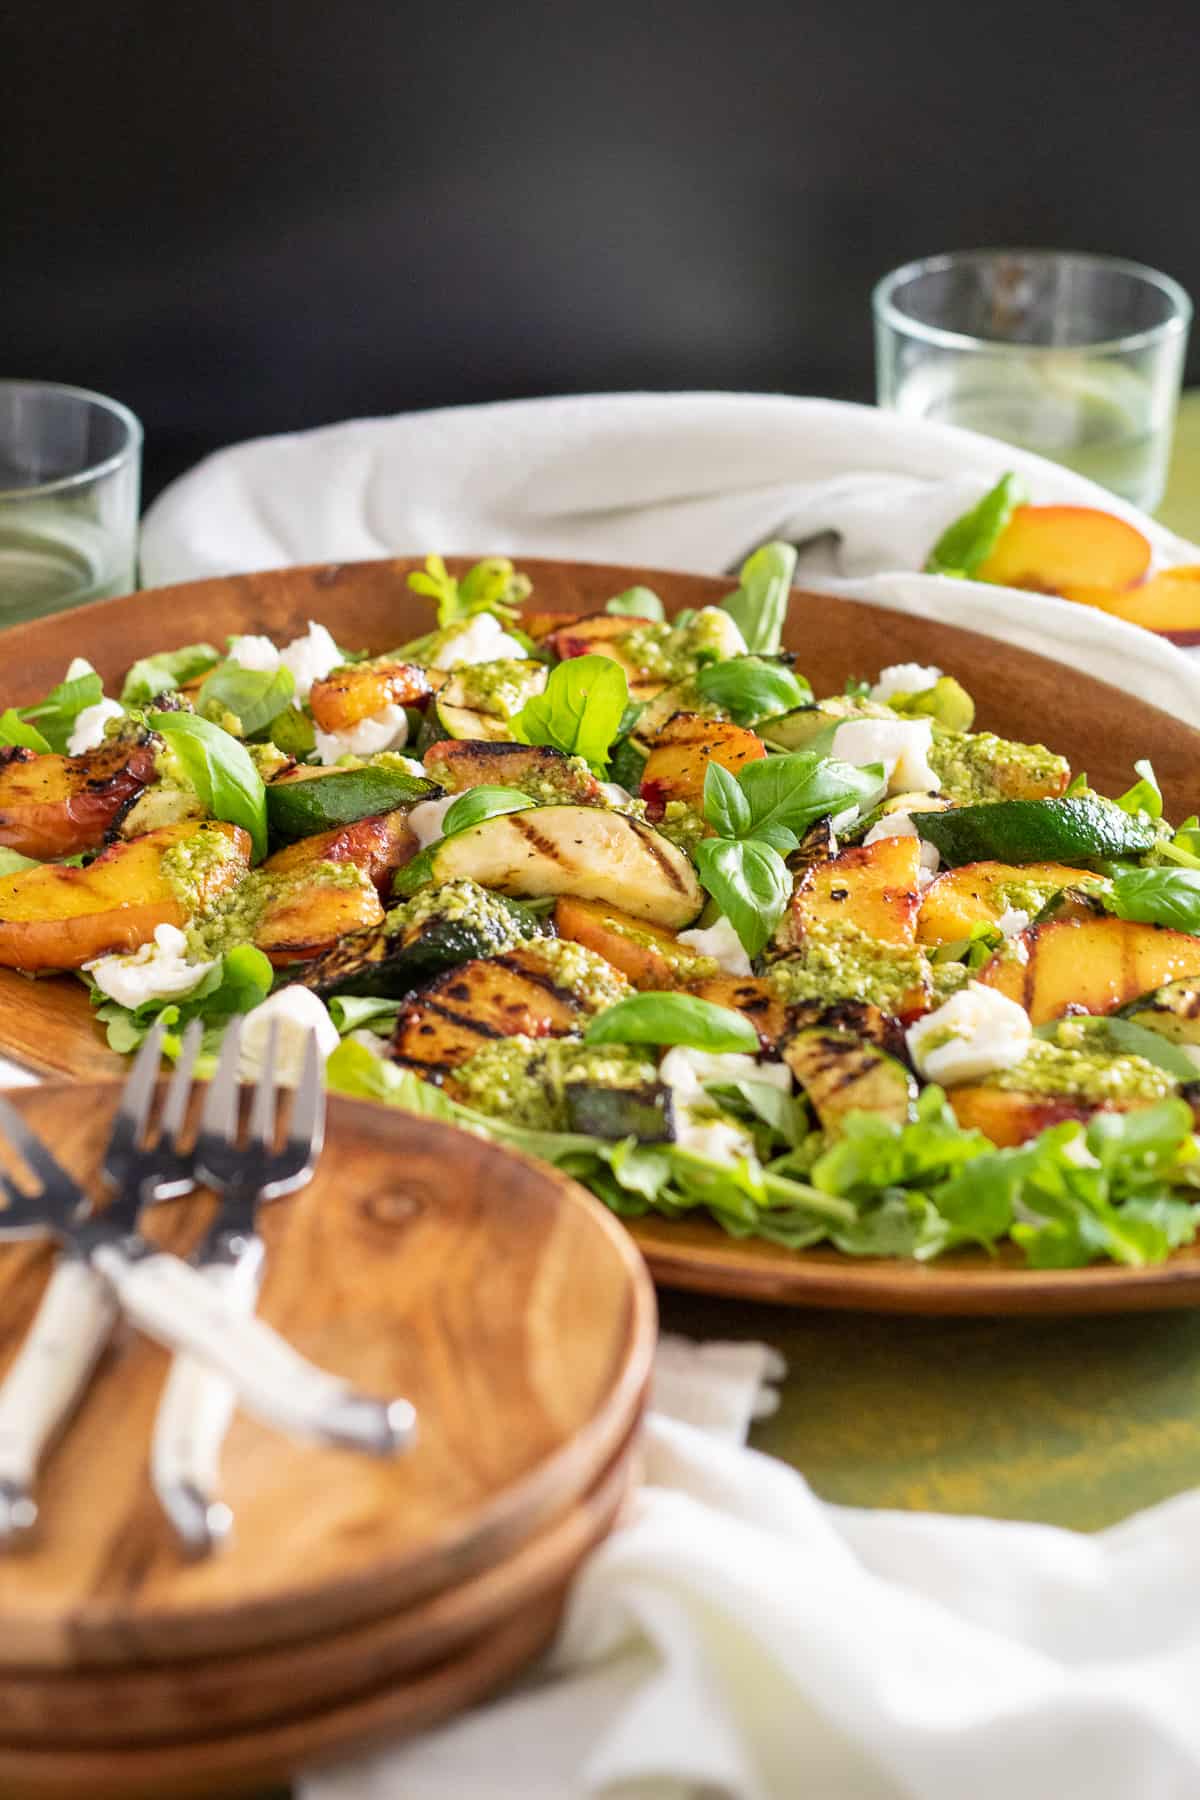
x: 1145, y: 796
x: 13, y: 863
x: 355, y: 1012
x: 637, y: 603
x: 55, y: 716
x: 747, y: 688
x: 492, y: 585
x: 293, y: 732
x: 668, y: 1018
x: 14, y: 731
x: 751, y: 884
x: 793, y: 791
x: 151, y: 676
x: 1158, y: 897
x: 253, y: 696
x: 479, y: 803
x: 221, y: 771
x: 579, y: 711
x: 970, y: 540
x: 759, y: 606
x: 726, y: 807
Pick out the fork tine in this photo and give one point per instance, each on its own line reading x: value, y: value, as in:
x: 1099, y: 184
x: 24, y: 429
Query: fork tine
x: 175, y: 1110
x: 31, y: 1146
x: 129, y: 1126
x: 262, y: 1112
x: 220, y: 1117
x: 306, y: 1128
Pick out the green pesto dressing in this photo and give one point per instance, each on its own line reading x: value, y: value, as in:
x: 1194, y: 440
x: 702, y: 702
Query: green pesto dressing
x: 840, y: 962
x: 188, y: 867
x: 975, y: 767
x: 235, y: 917
x: 524, y: 1080
x: 687, y: 965
x: 1081, y: 1072
x: 498, y: 688
x: 684, y: 824
x: 674, y: 652
x: 586, y: 976
x: 461, y: 902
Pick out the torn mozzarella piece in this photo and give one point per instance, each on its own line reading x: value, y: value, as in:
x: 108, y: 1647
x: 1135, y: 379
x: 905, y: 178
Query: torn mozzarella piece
x: 901, y: 745
x: 974, y: 1033
x: 1012, y: 921
x: 310, y: 658
x: 721, y: 942
x: 905, y: 678
x: 720, y: 1140
x: 615, y: 794
x: 900, y: 824
x: 257, y: 653
x: 425, y: 819
x: 78, y: 667
x: 482, y: 640
x: 295, y: 1013
x: 158, y: 971
x: 686, y: 1071
x: 384, y: 730
x: 87, y: 733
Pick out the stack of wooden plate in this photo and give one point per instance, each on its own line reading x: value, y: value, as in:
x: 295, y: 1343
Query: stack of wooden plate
x: 358, y: 1600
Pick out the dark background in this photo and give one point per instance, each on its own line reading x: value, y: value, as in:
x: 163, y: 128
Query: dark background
x: 244, y: 218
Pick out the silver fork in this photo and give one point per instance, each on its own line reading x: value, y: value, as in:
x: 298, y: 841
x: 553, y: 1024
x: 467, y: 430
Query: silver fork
x: 197, y: 1403
x: 77, y: 1312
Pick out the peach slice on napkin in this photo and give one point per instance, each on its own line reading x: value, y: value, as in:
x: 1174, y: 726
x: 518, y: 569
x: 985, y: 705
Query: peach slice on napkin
x: 1052, y: 548
x: 1168, y: 603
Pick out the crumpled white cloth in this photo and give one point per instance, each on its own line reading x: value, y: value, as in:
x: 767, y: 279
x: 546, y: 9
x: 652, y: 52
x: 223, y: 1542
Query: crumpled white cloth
x: 677, y: 481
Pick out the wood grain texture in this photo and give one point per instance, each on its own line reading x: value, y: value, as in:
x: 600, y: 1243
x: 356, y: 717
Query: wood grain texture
x: 1018, y: 694
x: 211, y: 1697
x: 247, y: 1762
x: 499, y: 1297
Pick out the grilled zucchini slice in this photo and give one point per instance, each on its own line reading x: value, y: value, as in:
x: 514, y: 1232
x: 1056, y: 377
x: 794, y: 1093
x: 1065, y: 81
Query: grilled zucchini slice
x: 452, y: 925
x: 841, y: 1073
x: 306, y: 801
x: 580, y: 850
x: 645, y: 1113
x: 501, y: 997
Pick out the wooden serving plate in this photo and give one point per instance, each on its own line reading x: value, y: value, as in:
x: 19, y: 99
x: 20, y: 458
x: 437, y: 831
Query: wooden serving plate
x: 1102, y: 729
x: 503, y: 1300
x: 213, y: 1697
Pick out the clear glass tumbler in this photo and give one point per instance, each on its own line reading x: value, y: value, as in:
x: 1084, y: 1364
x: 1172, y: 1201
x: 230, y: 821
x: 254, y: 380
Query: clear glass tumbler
x: 1077, y: 357
x: 70, y: 474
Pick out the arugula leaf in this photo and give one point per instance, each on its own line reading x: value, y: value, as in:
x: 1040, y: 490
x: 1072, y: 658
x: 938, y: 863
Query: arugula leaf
x: 725, y: 805
x: 1145, y: 796
x: 751, y: 884
x: 55, y: 716
x: 492, y: 585
x: 670, y: 1018
x: 759, y: 606
x: 1157, y: 897
x: 1184, y: 847
x: 747, y: 688
x: 579, y: 711
x: 483, y: 802
x: 353, y: 1012
x: 240, y: 981
x: 970, y: 540
x: 637, y: 603
x: 12, y: 862
x: 14, y: 730
x: 254, y: 696
x: 221, y: 771
x: 151, y: 676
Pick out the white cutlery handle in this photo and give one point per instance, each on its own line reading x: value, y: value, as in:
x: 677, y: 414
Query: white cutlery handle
x: 172, y: 1302
x: 193, y: 1417
x: 70, y: 1329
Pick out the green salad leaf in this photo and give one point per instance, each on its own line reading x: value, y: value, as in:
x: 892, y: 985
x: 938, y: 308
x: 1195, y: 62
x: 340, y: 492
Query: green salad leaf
x: 492, y: 585
x: 749, y: 688
x: 221, y: 771
x: 238, y: 982
x: 357, y: 1012
x: 759, y: 606
x: 580, y: 710
x: 483, y: 802
x: 1157, y: 897
x: 970, y: 540
x: 151, y: 676
x: 12, y: 862
x: 1145, y: 796
x: 255, y: 697
x: 637, y: 603
x: 55, y: 716
x: 14, y: 731
x: 669, y: 1018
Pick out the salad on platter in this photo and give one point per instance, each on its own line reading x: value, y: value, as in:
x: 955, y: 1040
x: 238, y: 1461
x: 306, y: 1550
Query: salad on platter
x: 621, y: 892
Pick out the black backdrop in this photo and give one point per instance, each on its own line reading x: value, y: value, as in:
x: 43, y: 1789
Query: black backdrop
x: 244, y: 217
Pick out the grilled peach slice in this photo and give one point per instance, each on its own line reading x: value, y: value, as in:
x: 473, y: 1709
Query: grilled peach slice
x: 751, y: 997
x: 971, y: 895
x: 1048, y: 548
x: 1168, y: 603
x: 57, y: 918
x: 347, y: 696
x: 596, y: 634
x: 1009, y: 1117
x: 59, y: 805
x: 682, y: 750
x: 309, y: 906
x: 872, y: 886
x: 1089, y: 964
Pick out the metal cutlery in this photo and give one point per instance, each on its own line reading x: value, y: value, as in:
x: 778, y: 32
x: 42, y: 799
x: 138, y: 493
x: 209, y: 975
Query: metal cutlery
x: 106, y: 1267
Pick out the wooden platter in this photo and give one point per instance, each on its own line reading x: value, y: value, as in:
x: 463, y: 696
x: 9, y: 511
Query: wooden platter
x: 178, y: 1702
x: 1103, y: 729
x: 494, y: 1293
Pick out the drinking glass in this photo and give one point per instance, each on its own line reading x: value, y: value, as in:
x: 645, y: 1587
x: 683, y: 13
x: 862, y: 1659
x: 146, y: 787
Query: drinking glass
x: 1077, y: 357
x: 70, y: 471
